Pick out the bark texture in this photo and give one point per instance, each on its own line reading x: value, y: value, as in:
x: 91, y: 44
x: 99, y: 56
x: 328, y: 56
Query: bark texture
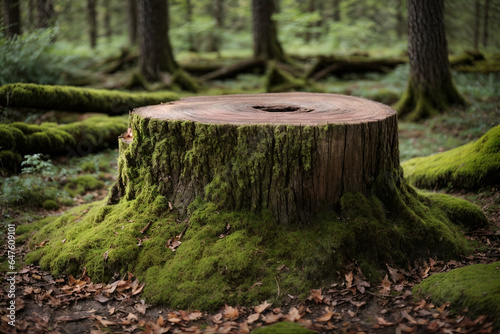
x: 265, y: 35
x: 430, y: 89
x: 294, y: 154
x: 11, y: 17
x: 45, y: 12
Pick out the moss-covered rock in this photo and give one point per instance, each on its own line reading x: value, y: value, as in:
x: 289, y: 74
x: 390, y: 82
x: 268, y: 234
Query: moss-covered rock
x: 111, y: 102
x: 470, y: 166
x: 283, y: 328
x: 50, y: 205
x: 74, y: 139
x: 476, y: 287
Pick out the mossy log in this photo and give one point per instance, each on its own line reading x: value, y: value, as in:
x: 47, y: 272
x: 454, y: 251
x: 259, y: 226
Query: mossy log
x: 279, y: 191
x: 67, y: 98
x: 74, y: 139
x: 295, y: 154
x: 328, y: 66
x: 471, y: 166
x: 231, y: 71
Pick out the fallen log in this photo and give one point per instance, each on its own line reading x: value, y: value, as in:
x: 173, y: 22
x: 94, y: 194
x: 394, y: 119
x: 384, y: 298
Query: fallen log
x: 68, y: 98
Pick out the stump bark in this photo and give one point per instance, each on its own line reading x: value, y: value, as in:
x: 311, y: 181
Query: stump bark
x: 294, y: 154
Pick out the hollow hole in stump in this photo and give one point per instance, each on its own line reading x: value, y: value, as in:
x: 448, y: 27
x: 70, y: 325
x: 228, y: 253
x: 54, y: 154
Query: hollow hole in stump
x: 281, y: 108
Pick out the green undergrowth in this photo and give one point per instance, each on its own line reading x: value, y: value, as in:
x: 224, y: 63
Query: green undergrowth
x: 470, y: 166
x: 475, y: 287
x: 68, y: 98
x: 73, y: 139
x: 242, y: 257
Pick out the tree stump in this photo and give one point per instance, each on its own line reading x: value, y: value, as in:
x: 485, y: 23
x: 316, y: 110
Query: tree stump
x: 295, y: 154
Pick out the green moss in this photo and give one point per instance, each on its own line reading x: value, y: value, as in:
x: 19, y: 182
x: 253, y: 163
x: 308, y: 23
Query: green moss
x: 81, y: 184
x: 283, y: 328
x: 74, y: 139
x: 471, y: 166
x: 10, y: 160
x: 476, y: 287
x: 78, y: 99
x: 50, y: 205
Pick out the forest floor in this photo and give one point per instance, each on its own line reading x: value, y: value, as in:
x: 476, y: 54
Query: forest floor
x: 67, y: 304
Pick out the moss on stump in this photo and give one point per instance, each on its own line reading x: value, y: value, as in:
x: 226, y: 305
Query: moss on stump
x: 248, y: 229
x: 470, y: 166
x: 475, y: 287
x: 67, y: 98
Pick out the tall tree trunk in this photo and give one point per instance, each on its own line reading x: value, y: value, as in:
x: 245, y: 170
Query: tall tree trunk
x: 31, y: 14
x: 92, y: 21
x: 477, y: 23
x: 132, y: 21
x: 336, y: 10
x: 485, y: 23
x: 311, y: 8
x: 107, y: 19
x: 189, y: 20
x: 12, y: 17
x: 45, y: 12
x: 430, y: 88
x: 154, y: 44
x: 217, y: 9
x: 265, y: 36
x: 400, y: 26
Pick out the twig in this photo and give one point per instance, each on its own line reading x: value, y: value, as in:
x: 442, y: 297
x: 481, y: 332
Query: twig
x: 146, y: 228
x: 278, y: 286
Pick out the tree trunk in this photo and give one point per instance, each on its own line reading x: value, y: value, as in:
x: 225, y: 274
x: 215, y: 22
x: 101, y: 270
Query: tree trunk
x: 336, y: 10
x: 31, y: 14
x: 155, y: 52
x: 400, y: 25
x: 132, y: 21
x: 265, y: 36
x: 217, y: 9
x: 294, y: 154
x: 477, y: 23
x: 485, y: 23
x: 107, y: 19
x: 92, y: 21
x: 45, y: 12
x: 11, y: 17
x: 310, y: 9
x: 189, y: 20
x: 430, y: 89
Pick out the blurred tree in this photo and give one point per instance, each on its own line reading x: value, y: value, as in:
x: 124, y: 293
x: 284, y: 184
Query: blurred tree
x: 477, y: 23
x: 132, y: 21
x: 400, y: 24
x: 189, y: 20
x: 265, y: 36
x: 92, y: 20
x: 11, y: 17
x: 44, y: 13
x: 430, y: 88
x: 336, y: 10
x: 485, y: 22
x: 107, y: 19
x: 218, y: 11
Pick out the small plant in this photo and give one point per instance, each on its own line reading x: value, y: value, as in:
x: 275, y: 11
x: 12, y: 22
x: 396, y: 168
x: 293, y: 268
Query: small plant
x: 50, y: 204
x: 35, y: 164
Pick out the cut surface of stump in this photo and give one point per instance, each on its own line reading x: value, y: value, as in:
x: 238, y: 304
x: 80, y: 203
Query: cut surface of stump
x: 295, y: 154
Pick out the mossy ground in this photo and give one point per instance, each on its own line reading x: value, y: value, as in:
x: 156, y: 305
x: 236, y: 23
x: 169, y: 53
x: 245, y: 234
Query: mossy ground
x: 242, y: 257
x: 283, y: 328
x: 470, y: 166
x: 476, y: 287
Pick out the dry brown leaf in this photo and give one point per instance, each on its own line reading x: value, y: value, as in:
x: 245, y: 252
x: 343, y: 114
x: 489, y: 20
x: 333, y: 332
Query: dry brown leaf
x: 28, y: 290
x: 101, y: 299
x: 244, y: 328
x: 271, y: 318
x: 106, y: 255
x: 173, y: 318
x: 348, y: 278
x: 160, y: 321
x: 358, y: 304
x: 71, y: 280
x: 386, y: 286
x: 293, y: 315
x: 381, y: 321
x: 103, y: 321
x: 408, y: 317
x: 141, y: 308
x: 253, y: 318
x: 231, y: 313
x: 131, y: 317
x: 137, y: 289
x: 262, y: 307
x: 112, y: 310
x: 351, y: 313
x: 326, y: 317
x: 394, y: 273
x: 361, y: 285
x: 217, y: 318
x: 316, y: 295
x: 63, y: 241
